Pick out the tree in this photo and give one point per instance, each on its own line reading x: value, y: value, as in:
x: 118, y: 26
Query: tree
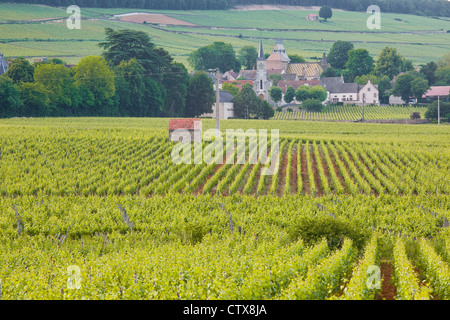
x: 217, y: 55
x: 57, y: 80
x: 204, y: 58
x: 289, y: 94
x: 428, y: 70
x: 444, y: 61
x: 175, y: 84
x: 35, y: 99
x: 418, y: 87
x: 384, y: 89
x: 200, y: 95
x: 389, y: 63
x: 443, y: 76
x: 93, y: 73
x: 276, y: 94
x: 10, y: 104
x: 330, y: 72
x: 415, y: 115
x: 317, y: 93
x: 325, y: 12
x: 432, y: 111
x: 247, y: 57
x: 362, y: 80
x: 231, y: 88
x: 266, y: 110
x: 246, y: 102
x: 312, y: 105
x: 275, y: 77
x: 20, y: 70
x: 123, y: 45
x: 402, y: 87
x: 138, y: 94
x: 56, y: 61
x: 302, y: 93
x: 407, y: 65
x: 295, y: 58
x: 338, y: 55
x: 359, y: 63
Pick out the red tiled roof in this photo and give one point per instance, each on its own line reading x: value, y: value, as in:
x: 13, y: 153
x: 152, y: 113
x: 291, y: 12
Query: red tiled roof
x: 189, y: 124
x: 440, y: 91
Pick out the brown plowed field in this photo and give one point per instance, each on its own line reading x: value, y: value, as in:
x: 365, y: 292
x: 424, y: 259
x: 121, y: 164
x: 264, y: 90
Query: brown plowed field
x: 153, y: 18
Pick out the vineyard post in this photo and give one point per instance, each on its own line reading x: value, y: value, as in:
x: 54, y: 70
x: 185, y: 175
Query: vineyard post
x: 364, y: 100
x: 217, y: 101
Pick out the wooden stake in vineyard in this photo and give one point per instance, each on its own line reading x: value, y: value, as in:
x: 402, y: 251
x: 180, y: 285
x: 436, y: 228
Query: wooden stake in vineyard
x: 19, y: 220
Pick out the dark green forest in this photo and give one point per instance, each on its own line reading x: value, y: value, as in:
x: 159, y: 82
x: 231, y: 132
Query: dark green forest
x: 417, y: 7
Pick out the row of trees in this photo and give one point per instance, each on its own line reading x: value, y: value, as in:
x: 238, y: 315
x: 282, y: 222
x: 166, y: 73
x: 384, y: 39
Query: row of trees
x: 132, y: 78
x: 418, y: 7
x: 356, y: 65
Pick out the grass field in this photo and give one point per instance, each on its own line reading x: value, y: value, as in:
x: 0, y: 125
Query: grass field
x: 102, y: 197
x: 409, y: 34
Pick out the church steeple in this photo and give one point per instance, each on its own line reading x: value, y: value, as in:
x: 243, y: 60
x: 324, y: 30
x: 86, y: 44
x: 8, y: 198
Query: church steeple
x: 324, y: 62
x: 261, y: 52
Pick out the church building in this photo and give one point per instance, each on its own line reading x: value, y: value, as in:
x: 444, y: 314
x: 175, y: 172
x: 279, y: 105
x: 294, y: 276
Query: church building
x: 279, y: 63
x: 262, y: 83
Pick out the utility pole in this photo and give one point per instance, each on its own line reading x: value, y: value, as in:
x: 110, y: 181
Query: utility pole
x: 217, y: 104
x: 364, y: 101
x: 439, y: 113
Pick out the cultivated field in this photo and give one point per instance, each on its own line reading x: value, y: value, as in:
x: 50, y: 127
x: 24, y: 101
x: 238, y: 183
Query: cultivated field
x: 103, y: 196
x: 23, y: 36
x: 352, y: 113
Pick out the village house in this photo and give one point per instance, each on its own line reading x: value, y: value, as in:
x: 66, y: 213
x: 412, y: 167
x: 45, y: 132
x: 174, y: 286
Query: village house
x: 193, y: 126
x: 226, y: 109
x: 350, y: 93
x: 312, y: 17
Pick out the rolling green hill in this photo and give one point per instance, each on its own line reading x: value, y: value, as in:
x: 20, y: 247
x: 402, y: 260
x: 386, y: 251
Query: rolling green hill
x: 421, y: 39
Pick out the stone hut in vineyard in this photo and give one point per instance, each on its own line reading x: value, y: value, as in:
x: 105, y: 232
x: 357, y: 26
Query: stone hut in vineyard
x: 193, y: 126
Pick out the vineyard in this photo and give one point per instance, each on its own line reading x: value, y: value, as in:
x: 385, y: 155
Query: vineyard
x: 96, y: 209
x: 352, y: 113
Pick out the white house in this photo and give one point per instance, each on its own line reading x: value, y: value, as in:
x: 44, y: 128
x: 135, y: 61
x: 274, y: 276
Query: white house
x: 226, y: 109
x: 350, y: 93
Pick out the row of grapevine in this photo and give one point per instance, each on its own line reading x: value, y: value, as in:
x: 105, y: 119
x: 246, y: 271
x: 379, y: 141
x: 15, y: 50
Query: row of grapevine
x: 287, y: 181
x: 349, y: 184
x: 324, y: 278
x: 359, y: 287
x: 362, y: 183
x: 336, y: 185
x: 351, y: 113
x: 406, y: 280
x: 276, y: 175
x: 437, y: 271
x: 320, y: 169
